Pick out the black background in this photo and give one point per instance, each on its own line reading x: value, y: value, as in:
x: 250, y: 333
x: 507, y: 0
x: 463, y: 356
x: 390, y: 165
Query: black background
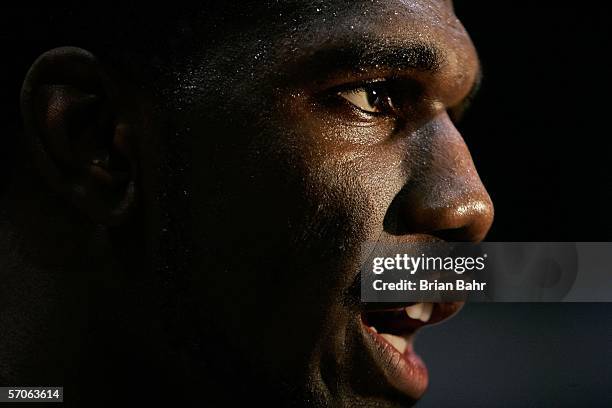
x: 538, y: 132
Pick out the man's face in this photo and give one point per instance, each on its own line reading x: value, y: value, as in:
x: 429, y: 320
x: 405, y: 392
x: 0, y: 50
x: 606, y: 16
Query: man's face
x: 313, y: 129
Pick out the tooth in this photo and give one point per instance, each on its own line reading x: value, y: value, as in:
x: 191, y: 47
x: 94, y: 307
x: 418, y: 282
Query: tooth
x: 374, y: 329
x: 399, y: 343
x: 426, y: 312
x: 414, y: 311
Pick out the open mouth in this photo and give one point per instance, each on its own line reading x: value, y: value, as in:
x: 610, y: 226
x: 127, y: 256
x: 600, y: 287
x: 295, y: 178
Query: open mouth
x: 398, y: 326
x: 392, y: 333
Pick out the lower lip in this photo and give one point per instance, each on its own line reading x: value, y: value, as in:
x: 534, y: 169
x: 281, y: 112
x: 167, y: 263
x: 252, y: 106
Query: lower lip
x: 406, y: 372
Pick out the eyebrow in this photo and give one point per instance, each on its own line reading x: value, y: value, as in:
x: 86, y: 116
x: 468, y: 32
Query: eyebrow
x: 354, y: 55
x: 363, y: 54
x: 367, y: 54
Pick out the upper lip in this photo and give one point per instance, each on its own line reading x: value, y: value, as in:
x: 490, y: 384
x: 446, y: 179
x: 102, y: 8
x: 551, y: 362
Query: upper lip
x: 440, y: 312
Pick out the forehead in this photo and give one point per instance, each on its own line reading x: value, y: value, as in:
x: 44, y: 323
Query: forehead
x: 279, y: 40
x: 389, y: 14
x: 318, y: 24
x: 299, y: 25
x: 304, y: 6
x: 278, y: 15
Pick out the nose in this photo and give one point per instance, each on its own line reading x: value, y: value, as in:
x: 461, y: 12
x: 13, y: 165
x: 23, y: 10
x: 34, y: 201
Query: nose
x: 443, y: 195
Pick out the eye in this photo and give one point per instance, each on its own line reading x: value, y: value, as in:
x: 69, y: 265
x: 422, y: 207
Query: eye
x: 372, y: 98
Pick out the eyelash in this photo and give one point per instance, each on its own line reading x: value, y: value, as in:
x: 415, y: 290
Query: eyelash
x: 401, y: 97
x: 376, y: 94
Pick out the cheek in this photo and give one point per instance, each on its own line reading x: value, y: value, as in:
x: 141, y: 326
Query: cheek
x: 345, y: 175
x: 292, y: 212
x: 349, y: 189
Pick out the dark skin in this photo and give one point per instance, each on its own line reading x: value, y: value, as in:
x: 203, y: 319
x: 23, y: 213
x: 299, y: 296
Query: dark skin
x: 305, y: 136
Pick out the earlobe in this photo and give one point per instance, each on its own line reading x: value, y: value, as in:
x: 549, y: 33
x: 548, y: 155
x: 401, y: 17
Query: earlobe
x: 80, y: 143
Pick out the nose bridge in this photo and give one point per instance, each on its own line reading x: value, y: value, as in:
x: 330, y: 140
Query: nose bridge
x: 445, y: 196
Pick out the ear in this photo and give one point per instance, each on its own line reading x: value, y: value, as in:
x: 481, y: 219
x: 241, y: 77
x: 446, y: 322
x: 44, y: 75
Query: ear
x: 80, y: 142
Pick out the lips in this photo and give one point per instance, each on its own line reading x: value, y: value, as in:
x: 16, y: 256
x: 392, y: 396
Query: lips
x: 389, y: 335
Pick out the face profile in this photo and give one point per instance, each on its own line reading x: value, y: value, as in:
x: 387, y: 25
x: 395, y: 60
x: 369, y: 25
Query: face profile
x: 192, y: 202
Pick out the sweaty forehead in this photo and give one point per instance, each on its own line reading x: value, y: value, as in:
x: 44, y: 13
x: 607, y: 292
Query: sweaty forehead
x: 358, y: 12
x: 299, y: 6
x: 276, y: 15
x: 264, y: 39
x: 300, y: 25
x: 384, y: 20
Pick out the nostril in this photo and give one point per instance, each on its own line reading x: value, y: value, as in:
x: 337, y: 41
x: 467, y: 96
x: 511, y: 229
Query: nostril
x: 470, y: 233
x: 452, y: 234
